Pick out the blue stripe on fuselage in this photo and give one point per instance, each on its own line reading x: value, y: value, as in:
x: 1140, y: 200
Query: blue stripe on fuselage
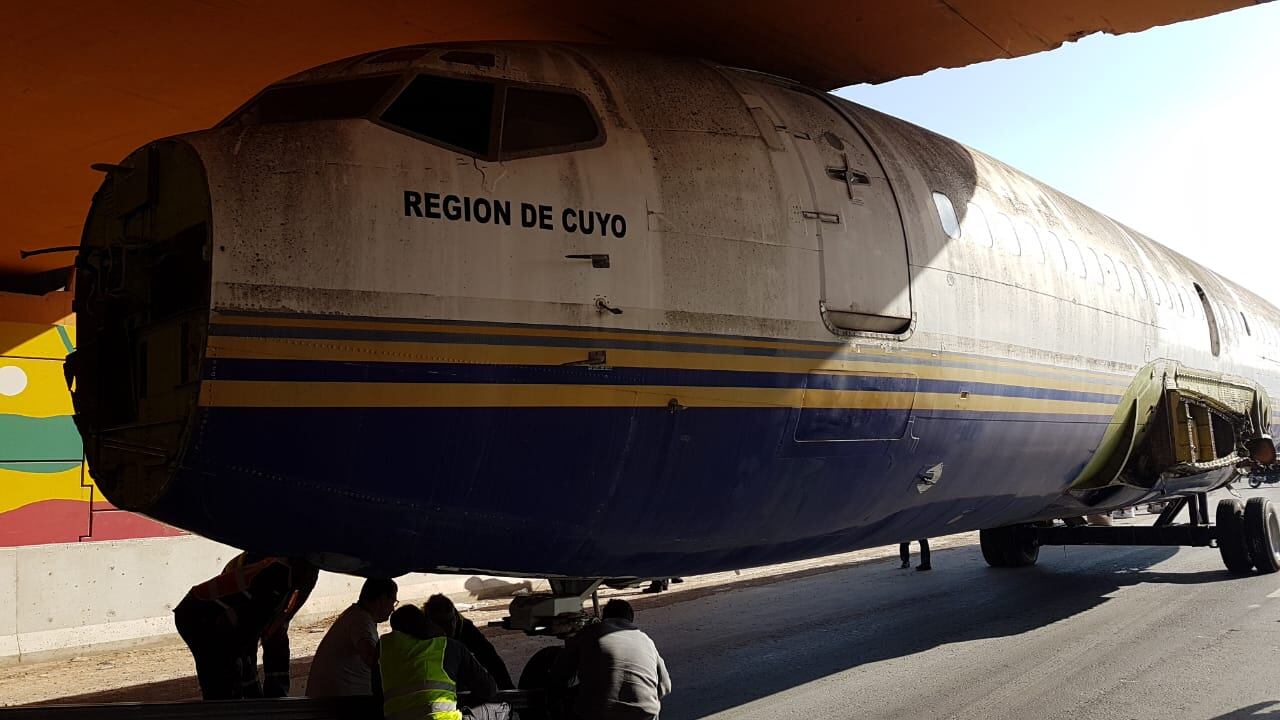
x: 333, y: 371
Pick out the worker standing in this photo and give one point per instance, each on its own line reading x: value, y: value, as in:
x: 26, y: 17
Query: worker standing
x: 223, y: 619
x: 441, y: 611
x: 343, y: 663
x: 904, y: 552
x: 620, y: 674
x: 421, y: 671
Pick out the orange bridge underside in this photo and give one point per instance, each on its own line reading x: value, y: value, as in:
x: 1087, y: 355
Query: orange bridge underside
x: 88, y: 82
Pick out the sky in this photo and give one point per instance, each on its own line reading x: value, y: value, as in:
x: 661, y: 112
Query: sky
x: 1174, y: 131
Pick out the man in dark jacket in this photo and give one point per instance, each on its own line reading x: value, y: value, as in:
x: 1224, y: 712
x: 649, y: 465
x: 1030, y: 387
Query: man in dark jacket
x: 441, y: 611
x: 620, y: 674
x: 223, y: 619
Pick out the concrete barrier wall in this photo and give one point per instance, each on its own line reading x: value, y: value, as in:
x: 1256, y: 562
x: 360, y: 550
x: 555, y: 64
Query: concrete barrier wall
x: 74, y: 598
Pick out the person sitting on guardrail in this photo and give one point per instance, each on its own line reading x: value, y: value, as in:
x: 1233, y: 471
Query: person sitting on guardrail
x: 441, y: 611
x: 343, y: 663
x: 620, y: 674
x: 421, y: 671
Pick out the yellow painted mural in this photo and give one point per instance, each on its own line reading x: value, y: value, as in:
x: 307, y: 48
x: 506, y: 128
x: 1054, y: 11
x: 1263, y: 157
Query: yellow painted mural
x: 45, y: 494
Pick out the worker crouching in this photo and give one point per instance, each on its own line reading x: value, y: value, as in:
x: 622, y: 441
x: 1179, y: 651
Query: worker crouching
x: 223, y: 619
x: 422, y: 670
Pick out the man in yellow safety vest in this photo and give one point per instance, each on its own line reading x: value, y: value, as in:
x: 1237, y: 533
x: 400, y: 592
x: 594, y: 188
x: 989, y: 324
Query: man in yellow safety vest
x: 422, y: 670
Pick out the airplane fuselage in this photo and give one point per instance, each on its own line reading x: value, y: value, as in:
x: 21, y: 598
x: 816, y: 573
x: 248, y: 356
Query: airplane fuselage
x: 554, y: 310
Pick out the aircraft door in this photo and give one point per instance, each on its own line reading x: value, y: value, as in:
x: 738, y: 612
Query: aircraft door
x: 865, y: 278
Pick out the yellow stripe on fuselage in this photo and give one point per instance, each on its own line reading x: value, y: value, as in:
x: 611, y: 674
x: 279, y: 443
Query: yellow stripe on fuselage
x: 474, y: 354
x: 834, y: 348
x: 269, y: 394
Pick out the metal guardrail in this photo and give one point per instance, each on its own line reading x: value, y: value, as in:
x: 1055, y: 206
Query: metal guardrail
x: 351, y: 708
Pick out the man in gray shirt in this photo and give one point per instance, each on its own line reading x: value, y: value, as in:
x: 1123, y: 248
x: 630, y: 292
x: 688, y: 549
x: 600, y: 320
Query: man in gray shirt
x: 620, y: 674
x: 343, y: 664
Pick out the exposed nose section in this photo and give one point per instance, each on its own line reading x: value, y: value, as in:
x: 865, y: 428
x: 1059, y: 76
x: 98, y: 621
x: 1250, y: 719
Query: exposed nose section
x: 142, y: 304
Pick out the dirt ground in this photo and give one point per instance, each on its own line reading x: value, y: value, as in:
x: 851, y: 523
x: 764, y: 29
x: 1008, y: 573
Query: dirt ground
x: 164, y: 671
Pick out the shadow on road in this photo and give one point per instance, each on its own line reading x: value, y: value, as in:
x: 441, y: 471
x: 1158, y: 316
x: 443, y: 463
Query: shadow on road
x: 1258, y: 711
x: 767, y: 637
x: 892, y: 614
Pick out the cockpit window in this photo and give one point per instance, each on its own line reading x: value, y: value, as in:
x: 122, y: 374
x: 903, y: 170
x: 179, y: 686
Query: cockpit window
x: 494, y: 120
x: 464, y: 57
x: 332, y: 100
x: 452, y: 111
x: 535, y: 120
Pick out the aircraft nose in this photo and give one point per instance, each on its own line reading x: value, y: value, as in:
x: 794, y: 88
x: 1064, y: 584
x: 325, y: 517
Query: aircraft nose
x: 142, y: 303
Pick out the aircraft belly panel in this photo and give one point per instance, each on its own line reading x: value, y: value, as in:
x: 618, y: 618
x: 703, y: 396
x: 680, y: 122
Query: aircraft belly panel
x: 701, y: 490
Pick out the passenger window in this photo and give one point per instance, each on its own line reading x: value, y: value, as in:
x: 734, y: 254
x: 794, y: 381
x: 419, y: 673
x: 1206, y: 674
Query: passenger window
x: 455, y: 112
x: 1174, y: 295
x: 1075, y: 261
x: 541, y: 120
x: 1030, y: 240
x: 1109, y: 271
x: 335, y: 100
x: 1155, y: 289
x: 1054, y: 248
x: 1093, y: 268
x: 1122, y: 271
x: 1138, y: 285
x: 975, y: 226
x: 1212, y: 323
x: 947, y: 215
x: 1006, y: 238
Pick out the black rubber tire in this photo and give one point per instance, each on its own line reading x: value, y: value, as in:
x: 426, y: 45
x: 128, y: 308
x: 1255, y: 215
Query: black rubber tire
x: 1005, y: 547
x: 1231, y: 540
x: 536, y: 675
x: 1262, y: 531
x: 993, y: 545
x: 1255, y: 482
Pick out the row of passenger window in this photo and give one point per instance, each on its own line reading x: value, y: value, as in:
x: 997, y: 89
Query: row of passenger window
x: 1021, y: 238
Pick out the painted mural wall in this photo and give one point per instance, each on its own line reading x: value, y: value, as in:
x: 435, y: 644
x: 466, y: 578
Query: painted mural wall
x: 46, y: 494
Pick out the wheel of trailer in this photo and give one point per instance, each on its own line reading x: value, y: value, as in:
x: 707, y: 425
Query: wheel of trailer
x: 536, y: 675
x: 1231, y: 538
x: 1262, y: 533
x: 1006, y: 547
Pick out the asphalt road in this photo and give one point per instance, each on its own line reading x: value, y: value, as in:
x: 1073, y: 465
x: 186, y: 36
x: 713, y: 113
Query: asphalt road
x: 1087, y: 633
x: 1114, y: 633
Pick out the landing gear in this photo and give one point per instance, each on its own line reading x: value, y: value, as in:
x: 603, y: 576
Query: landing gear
x: 1009, y: 546
x: 1262, y: 534
x: 558, y: 612
x: 1247, y: 535
x: 1231, y: 538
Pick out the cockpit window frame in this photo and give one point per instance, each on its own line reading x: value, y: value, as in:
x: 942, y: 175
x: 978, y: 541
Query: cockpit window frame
x: 393, y: 91
x: 500, y: 86
x: 405, y: 78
